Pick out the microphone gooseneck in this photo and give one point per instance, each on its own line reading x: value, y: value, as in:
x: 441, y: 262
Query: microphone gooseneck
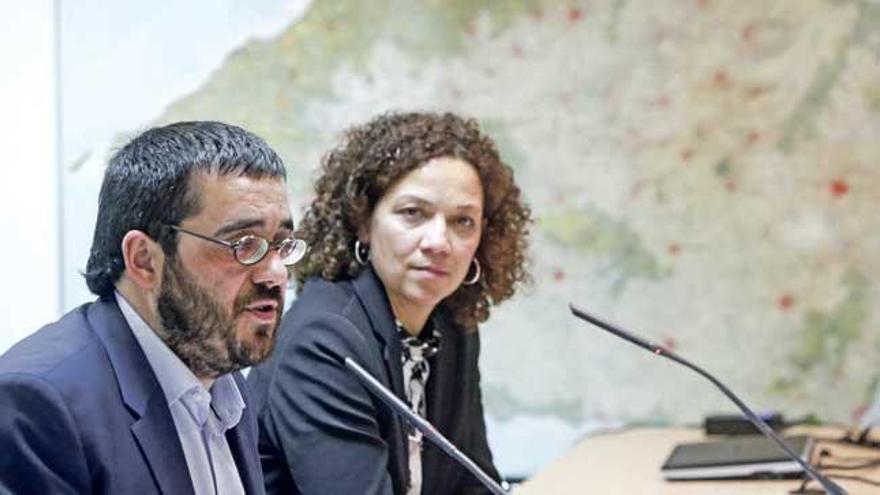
x: 829, y: 486
x: 421, y: 424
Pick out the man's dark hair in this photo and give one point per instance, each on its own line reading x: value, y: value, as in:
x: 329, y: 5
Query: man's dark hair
x: 147, y: 187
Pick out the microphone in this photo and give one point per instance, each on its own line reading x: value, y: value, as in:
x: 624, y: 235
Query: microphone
x: 830, y: 487
x: 421, y: 424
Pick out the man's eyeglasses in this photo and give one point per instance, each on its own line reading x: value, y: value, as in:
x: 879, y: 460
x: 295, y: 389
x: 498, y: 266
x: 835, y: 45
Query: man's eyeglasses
x: 251, y: 249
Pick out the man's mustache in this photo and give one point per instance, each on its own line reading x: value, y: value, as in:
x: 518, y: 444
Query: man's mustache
x: 260, y: 292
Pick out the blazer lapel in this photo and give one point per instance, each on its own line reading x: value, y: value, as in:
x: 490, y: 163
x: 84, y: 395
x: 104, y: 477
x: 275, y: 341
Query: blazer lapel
x: 445, y: 367
x: 245, y: 454
x: 161, y: 447
x: 243, y: 445
x: 372, y: 295
x: 374, y: 299
x: 442, y: 384
x: 153, y: 427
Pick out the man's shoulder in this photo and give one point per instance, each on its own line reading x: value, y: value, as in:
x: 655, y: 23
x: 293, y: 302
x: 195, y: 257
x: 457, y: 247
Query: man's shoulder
x: 69, y: 342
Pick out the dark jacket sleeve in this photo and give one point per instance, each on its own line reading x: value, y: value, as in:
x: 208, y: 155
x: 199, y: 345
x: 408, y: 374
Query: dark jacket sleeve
x: 40, y: 451
x: 319, y: 417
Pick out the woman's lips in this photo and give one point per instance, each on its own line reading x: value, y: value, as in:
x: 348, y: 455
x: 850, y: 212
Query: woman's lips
x: 433, y: 271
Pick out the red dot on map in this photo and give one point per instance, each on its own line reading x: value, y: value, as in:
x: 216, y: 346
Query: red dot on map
x: 785, y: 302
x: 839, y: 187
x: 674, y: 249
x: 755, y: 92
x: 730, y: 186
x: 670, y: 343
x: 575, y: 14
x: 558, y: 275
x: 686, y: 154
x: 516, y: 50
x: 754, y: 136
x: 720, y: 78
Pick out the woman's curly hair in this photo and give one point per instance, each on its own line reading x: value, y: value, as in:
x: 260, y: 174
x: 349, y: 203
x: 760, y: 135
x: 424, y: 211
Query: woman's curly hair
x: 371, y: 158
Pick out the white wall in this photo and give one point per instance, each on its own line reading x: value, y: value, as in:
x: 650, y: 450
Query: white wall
x: 29, y: 292
x: 123, y: 63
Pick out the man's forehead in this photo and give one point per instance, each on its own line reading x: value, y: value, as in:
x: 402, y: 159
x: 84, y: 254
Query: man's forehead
x: 223, y: 199
x: 215, y: 179
x: 235, y: 187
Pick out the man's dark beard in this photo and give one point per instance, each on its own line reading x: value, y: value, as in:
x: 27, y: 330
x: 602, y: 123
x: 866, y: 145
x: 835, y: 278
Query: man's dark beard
x: 201, y: 333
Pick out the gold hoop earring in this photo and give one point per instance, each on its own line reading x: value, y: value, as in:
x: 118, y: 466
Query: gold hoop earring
x: 477, y: 272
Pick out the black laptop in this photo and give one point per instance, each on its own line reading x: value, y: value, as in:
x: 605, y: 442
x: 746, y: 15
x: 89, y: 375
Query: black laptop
x: 751, y: 456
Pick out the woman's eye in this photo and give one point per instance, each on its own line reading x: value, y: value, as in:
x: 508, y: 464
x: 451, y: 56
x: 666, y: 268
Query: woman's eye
x: 466, y: 221
x: 411, y: 212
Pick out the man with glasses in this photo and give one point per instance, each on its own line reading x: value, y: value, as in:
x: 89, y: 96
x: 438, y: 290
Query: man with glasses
x: 139, y: 391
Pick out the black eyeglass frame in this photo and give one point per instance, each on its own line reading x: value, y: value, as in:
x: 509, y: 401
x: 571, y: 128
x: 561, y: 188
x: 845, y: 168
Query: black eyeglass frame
x: 266, y: 246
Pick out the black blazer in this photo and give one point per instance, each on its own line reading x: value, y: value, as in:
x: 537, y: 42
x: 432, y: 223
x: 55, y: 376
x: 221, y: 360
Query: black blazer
x: 81, y: 411
x: 321, y: 432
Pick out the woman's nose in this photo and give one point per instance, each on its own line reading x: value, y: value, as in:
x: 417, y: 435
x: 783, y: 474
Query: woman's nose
x: 436, y: 236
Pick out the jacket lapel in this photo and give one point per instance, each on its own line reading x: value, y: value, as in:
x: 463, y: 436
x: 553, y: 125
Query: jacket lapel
x: 444, y: 373
x: 243, y: 444
x: 244, y: 453
x: 153, y: 427
x: 372, y: 295
x: 161, y: 447
x: 444, y: 380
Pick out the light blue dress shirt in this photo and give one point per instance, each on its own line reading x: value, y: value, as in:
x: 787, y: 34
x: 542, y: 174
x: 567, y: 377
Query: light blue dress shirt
x: 200, y: 417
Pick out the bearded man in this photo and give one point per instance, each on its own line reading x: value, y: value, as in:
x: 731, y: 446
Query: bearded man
x: 139, y: 391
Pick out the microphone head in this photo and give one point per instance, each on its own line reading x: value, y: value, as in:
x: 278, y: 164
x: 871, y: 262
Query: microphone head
x: 620, y: 332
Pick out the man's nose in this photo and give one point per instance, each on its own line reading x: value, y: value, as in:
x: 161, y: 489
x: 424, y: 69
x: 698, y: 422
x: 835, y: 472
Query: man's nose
x: 271, y: 271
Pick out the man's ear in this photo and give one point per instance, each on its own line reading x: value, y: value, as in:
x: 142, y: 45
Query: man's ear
x: 144, y: 260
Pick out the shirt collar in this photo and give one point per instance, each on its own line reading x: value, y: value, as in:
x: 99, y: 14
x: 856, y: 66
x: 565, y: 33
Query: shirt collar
x: 225, y: 399
x: 178, y: 382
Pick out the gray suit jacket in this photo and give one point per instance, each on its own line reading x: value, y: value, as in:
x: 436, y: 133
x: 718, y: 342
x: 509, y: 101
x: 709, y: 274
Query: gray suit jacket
x: 321, y: 432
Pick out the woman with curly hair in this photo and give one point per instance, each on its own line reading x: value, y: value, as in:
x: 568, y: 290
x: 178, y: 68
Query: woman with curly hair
x: 417, y: 229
